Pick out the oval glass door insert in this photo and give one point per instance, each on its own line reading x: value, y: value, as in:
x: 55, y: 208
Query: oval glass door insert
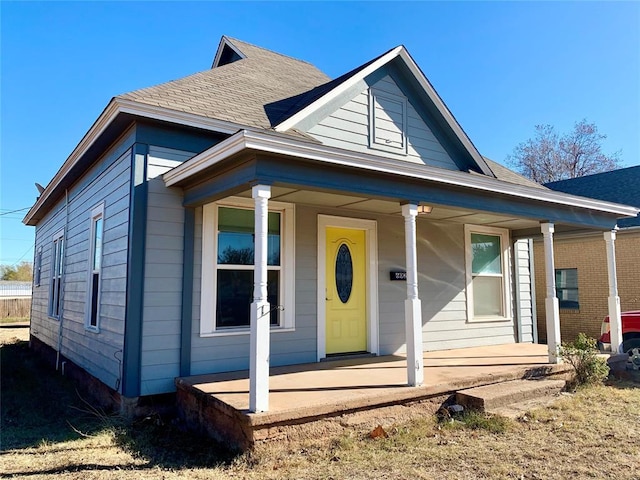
x: 344, y: 273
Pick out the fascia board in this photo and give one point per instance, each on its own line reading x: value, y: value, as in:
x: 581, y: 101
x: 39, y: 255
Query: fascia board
x: 444, y: 111
x: 175, y: 116
x: 206, y: 159
x: 99, y: 126
x: 269, y: 143
x: 115, y: 107
x: 294, y: 119
x: 424, y: 83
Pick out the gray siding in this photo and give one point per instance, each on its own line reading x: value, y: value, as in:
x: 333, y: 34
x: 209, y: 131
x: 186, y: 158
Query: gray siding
x: 524, y: 300
x: 441, y: 289
x: 229, y: 353
x: 348, y: 128
x: 160, y: 356
x: 106, y: 182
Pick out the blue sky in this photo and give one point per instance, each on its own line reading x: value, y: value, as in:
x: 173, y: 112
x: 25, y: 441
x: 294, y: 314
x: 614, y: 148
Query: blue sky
x: 501, y: 68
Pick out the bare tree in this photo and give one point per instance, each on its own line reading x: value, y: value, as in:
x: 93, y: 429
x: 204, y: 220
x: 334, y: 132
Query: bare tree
x: 548, y: 157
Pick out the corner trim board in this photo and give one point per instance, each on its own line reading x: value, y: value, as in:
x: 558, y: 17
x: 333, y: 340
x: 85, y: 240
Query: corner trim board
x: 187, y: 291
x: 135, y: 273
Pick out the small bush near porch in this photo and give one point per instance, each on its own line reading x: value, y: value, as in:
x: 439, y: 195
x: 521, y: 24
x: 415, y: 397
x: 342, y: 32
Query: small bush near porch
x: 47, y: 431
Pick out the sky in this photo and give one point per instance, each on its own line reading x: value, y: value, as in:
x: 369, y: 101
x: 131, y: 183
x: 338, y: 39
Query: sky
x: 501, y: 68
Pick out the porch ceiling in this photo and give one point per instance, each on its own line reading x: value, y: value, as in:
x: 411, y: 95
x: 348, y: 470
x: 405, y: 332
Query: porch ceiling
x: 386, y: 207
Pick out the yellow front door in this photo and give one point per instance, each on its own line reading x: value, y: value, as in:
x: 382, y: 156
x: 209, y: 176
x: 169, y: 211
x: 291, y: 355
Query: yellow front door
x: 346, y: 290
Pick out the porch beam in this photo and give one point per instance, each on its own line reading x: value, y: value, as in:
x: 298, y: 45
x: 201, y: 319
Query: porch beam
x: 615, y: 320
x: 412, y: 306
x: 260, y: 324
x: 552, y: 308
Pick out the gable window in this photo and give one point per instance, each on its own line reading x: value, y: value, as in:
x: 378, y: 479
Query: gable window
x: 95, y: 264
x: 487, y: 273
x: 228, y: 266
x: 387, y: 122
x: 57, y: 265
x: 37, y: 268
x: 567, y: 288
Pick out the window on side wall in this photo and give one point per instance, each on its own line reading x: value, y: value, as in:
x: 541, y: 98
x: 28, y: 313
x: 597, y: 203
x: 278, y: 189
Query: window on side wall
x: 94, y: 268
x: 487, y: 267
x: 37, y: 269
x: 228, y: 266
x: 57, y: 269
x: 567, y: 288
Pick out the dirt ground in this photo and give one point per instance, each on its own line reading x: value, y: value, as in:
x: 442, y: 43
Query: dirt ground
x: 10, y: 333
x: 48, y: 432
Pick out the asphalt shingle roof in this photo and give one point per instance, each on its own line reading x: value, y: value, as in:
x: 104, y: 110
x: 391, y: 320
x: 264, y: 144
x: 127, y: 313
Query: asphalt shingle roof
x: 260, y: 91
x: 503, y: 173
x: 255, y: 91
x: 619, y: 186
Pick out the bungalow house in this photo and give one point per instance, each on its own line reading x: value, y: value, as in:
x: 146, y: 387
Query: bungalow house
x: 260, y: 213
x: 581, y: 264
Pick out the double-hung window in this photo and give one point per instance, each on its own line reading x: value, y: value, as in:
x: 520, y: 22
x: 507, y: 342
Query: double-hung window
x: 228, y: 266
x: 95, y: 264
x: 487, y: 252
x: 57, y: 266
x: 567, y: 288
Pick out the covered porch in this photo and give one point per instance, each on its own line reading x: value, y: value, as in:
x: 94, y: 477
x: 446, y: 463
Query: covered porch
x: 218, y: 404
x: 384, y: 199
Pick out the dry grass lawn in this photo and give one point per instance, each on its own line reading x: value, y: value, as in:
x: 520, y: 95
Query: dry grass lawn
x: 48, y: 431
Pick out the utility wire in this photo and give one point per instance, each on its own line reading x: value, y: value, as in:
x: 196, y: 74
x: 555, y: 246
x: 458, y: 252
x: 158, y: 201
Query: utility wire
x: 14, y: 211
x: 28, y: 250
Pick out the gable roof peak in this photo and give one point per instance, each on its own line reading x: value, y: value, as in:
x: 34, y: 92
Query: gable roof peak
x: 231, y: 50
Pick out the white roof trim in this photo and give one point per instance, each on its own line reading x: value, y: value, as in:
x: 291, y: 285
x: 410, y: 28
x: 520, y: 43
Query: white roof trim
x: 113, y: 109
x: 277, y: 144
x: 424, y: 83
x: 444, y: 111
x: 225, y: 42
x: 335, y: 92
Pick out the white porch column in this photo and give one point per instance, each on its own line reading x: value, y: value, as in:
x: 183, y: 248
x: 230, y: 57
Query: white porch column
x: 412, y: 306
x: 551, y: 301
x: 615, y: 322
x: 260, y: 324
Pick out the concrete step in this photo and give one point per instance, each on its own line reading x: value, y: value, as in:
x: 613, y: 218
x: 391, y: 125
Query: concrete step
x: 492, y: 397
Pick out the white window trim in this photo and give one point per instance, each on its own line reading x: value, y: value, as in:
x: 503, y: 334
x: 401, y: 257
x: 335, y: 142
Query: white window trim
x: 55, y: 238
x: 210, y: 257
x: 373, y: 93
x: 37, y: 270
x: 97, y: 212
x: 506, y: 273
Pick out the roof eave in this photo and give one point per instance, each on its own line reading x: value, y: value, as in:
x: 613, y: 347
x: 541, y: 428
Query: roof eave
x: 116, y: 107
x: 279, y: 144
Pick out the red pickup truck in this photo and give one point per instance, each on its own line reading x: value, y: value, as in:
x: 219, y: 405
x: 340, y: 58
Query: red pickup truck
x: 630, y: 332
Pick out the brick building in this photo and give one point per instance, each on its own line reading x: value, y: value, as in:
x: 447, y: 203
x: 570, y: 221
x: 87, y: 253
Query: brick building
x: 581, y: 263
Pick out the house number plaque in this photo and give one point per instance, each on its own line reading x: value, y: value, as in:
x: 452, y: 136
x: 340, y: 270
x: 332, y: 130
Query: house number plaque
x: 402, y: 276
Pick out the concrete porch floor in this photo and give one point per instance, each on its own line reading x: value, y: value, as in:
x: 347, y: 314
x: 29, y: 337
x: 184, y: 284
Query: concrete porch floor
x: 307, y: 392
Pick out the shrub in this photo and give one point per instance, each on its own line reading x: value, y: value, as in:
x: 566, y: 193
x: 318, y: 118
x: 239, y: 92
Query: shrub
x: 582, y: 355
